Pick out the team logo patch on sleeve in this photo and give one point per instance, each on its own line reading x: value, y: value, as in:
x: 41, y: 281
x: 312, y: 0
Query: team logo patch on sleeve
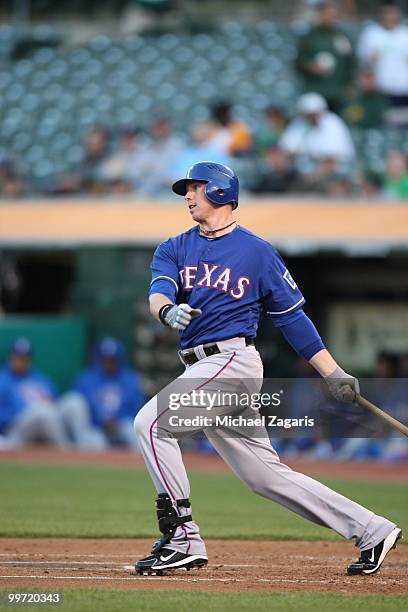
x: 288, y: 278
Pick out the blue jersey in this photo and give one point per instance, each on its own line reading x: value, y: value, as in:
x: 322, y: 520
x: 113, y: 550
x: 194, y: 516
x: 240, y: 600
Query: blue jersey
x: 231, y: 278
x: 112, y: 396
x: 17, y: 391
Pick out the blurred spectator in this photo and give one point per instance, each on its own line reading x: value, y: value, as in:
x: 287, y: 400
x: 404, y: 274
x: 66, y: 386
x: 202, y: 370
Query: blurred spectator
x: 326, y: 179
x: 371, y: 184
x: 87, y: 176
x: 384, y: 47
x: 156, y: 361
x: 10, y: 283
x: 325, y: 57
x: 385, y: 386
x: 318, y: 140
x: 403, y: 367
x: 118, y: 170
x: 366, y: 109
x: 28, y: 410
x: 229, y: 135
x: 396, y: 182
x: 112, y: 391
x: 150, y: 171
x: 200, y: 148
x: 274, y: 124
x: 276, y: 172
x: 385, y: 391
x: 12, y: 185
x: 396, y: 449
x: 31, y: 409
x: 96, y: 149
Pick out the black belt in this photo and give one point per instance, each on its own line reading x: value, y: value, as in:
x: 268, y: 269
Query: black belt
x: 189, y: 357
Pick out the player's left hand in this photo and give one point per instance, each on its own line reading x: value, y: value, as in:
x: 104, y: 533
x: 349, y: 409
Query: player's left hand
x: 342, y: 386
x: 180, y: 316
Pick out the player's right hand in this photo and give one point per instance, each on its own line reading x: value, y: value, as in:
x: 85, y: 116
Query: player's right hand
x: 342, y: 386
x: 181, y: 315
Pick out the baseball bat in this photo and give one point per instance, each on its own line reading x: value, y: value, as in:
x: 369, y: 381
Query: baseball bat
x: 383, y: 415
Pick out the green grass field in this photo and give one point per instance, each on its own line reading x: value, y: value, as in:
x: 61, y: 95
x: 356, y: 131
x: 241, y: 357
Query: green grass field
x: 115, y: 600
x: 99, y: 501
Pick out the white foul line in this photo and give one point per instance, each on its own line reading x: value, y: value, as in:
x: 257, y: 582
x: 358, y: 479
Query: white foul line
x: 136, y: 553
x: 61, y: 562
x: 176, y: 579
x: 134, y: 578
x: 79, y: 564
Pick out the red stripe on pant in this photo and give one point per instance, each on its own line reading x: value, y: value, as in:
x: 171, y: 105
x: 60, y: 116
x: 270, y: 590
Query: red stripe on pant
x: 166, y: 484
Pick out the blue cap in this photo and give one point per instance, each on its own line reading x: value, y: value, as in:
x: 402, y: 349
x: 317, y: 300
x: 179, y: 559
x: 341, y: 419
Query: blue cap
x: 21, y: 346
x: 109, y: 347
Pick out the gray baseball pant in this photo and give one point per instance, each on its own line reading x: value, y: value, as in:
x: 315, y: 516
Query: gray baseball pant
x: 251, y: 458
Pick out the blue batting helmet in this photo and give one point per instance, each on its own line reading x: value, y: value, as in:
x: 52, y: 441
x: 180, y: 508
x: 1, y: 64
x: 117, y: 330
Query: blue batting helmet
x: 221, y: 183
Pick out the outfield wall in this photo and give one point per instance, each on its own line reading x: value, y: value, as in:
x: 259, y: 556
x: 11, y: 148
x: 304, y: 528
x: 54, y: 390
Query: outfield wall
x: 298, y: 225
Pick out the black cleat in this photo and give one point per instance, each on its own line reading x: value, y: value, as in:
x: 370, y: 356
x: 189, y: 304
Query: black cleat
x: 371, y: 560
x: 165, y: 559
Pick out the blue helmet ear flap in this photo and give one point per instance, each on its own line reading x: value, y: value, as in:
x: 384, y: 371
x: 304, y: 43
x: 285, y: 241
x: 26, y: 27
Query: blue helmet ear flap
x: 222, y: 186
x: 223, y: 192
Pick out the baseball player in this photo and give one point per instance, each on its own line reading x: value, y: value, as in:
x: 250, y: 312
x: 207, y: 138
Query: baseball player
x: 211, y: 283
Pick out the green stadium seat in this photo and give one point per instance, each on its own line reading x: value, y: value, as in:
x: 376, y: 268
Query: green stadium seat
x: 44, y: 56
x: 58, y: 68
x: 133, y: 43
x: 52, y: 97
x: 100, y: 44
x: 201, y: 42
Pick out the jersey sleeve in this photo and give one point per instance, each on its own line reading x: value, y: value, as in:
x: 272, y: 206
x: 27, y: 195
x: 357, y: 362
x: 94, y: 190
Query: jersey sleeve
x: 165, y: 278
x: 281, y: 293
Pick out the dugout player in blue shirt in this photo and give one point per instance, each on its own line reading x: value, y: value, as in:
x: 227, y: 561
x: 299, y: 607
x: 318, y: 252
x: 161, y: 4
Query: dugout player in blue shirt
x: 211, y: 284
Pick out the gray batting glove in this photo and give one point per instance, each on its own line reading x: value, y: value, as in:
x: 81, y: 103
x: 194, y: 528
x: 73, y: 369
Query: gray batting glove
x: 342, y: 386
x: 180, y: 316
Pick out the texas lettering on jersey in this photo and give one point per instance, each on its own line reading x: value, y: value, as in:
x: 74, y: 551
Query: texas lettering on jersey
x: 214, y: 276
x: 231, y: 278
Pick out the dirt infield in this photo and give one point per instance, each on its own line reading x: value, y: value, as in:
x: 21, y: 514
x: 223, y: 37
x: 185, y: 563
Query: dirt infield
x: 233, y: 566
x: 366, y: 470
